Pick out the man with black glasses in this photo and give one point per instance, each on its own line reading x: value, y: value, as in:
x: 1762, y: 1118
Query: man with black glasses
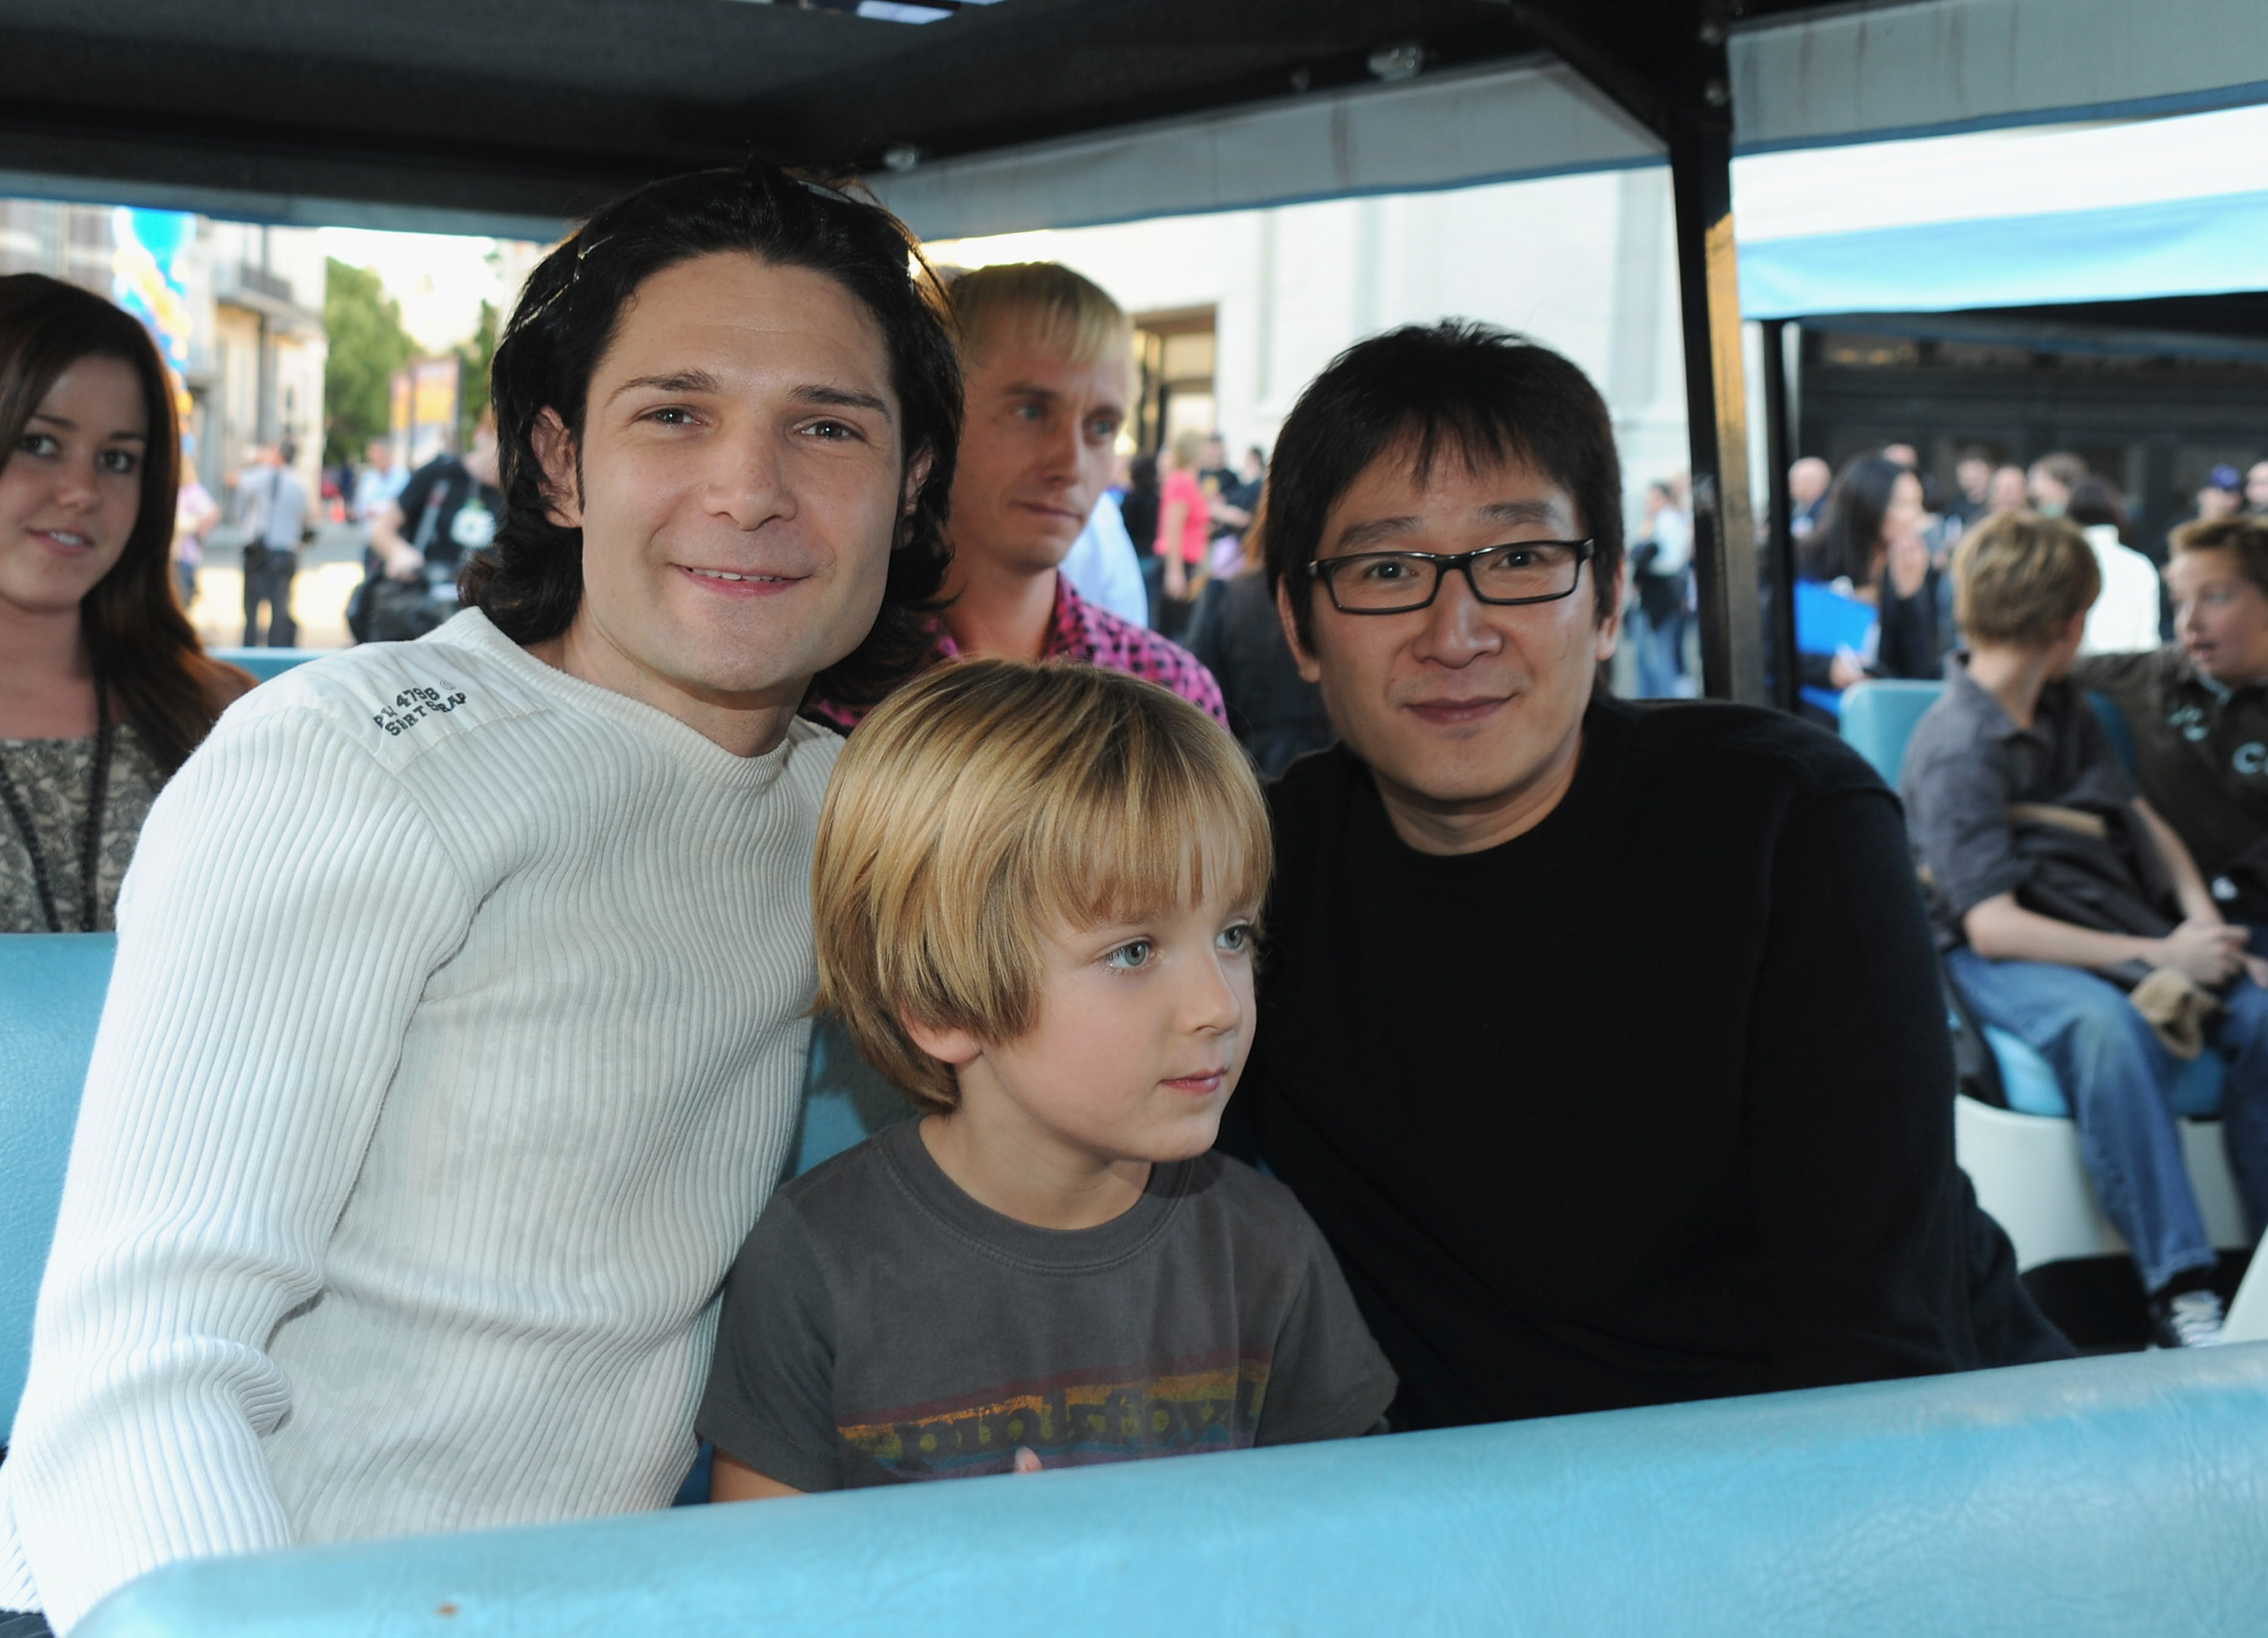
x: 1604, y: 1042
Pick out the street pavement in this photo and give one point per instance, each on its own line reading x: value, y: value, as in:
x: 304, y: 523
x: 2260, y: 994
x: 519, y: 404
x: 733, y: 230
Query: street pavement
x: 330, y: 568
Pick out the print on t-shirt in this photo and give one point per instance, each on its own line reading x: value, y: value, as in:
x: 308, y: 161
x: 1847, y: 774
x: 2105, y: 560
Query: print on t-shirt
x: 1208, y: 1402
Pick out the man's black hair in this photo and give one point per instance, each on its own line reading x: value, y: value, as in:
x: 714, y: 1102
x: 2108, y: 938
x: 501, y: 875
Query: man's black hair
x: 1474, y: 391
x: 530, y: 580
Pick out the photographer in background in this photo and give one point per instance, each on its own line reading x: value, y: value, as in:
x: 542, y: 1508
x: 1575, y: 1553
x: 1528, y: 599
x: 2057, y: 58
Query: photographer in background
x: 447, y: 513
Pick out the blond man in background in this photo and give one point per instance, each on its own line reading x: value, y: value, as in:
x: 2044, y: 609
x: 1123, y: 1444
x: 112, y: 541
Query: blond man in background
x: 1045, y: 354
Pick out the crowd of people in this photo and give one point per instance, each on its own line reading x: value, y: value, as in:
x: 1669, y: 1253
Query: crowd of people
x: 458, y: 1025
x: 1875, y: 544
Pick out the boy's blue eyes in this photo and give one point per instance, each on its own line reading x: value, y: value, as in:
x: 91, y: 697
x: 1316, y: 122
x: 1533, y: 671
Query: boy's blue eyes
x: 1137, y: 953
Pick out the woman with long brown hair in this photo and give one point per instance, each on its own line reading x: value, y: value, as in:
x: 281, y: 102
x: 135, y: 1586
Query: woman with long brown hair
x: 104, y: 690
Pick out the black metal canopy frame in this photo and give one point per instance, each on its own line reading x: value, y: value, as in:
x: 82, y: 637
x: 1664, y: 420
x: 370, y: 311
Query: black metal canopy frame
x: 518, y: 115
x: 1666, y: 64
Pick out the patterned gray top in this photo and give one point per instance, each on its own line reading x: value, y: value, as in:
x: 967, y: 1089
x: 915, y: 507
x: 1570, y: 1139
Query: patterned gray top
x: 52, y: 777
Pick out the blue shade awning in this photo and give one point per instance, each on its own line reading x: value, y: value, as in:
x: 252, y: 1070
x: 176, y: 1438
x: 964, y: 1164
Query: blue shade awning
x: 2171, y: 248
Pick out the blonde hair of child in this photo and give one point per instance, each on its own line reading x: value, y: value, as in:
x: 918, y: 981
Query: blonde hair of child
x: 990, y: 804
x: 2020, y: 578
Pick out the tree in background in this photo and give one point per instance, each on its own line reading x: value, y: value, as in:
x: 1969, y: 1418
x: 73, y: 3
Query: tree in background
x: 368, y: 345
x: 472, y: 361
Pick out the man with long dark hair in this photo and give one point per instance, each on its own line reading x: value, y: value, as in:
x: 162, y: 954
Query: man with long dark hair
x: 459, y: 1017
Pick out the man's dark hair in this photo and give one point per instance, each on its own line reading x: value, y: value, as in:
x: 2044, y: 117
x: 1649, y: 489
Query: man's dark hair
x: 1471, y: 390
x: 530, y: 580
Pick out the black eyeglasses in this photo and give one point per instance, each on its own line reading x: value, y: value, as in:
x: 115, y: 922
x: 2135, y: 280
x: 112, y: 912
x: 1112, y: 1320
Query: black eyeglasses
x: 1397, y: 583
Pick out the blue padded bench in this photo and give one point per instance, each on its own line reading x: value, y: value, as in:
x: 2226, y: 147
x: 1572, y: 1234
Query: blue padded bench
x: 51, y: 991
x: 266, y: 663
x: 1878, y: 718
x: 2094, y: 1497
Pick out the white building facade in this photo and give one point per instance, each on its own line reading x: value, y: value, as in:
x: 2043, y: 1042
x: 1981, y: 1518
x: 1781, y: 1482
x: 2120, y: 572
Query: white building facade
x: 1582, y: 264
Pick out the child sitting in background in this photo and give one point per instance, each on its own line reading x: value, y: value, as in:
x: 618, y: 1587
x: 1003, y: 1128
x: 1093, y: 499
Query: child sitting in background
x: 2056, y: 889
x: 1034, y: 891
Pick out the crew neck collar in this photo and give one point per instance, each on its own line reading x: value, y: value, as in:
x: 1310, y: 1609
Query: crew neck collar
x: 1550, y: 840
x: 996, y: 1234
x: 474, y: 631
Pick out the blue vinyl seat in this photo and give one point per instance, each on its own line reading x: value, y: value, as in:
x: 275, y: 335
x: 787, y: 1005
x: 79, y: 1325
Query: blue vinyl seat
x: 266, y: 663
x: 51, y: 991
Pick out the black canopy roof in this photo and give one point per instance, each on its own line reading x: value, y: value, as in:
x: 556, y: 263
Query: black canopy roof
x: 542, y: 109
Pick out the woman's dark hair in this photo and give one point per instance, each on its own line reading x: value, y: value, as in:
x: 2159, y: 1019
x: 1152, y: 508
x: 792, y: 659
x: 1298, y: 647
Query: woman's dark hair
x: 2096, y: 500
x: 1848, y: 543
x: 530, y: 580
x: 1471, y: 390
x: 141, y: 644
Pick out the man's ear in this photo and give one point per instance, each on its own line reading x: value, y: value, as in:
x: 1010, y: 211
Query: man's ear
x: 1309, y: 670
x: 945, y: 1043
x: 917, y: 474
x: 1608, y: 636
x: 555, y: 453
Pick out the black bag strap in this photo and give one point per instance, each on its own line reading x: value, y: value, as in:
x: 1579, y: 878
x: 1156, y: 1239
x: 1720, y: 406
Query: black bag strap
x: 429, y: 521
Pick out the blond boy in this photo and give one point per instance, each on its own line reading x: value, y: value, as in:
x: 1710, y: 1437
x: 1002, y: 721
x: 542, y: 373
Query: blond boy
x: 1035, y: 892
x: 2026, y: 914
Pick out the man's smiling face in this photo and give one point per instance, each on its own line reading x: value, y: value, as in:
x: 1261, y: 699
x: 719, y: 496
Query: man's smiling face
x: 739, y: 484
x: 1460, y: 708
x: 1037, y: 447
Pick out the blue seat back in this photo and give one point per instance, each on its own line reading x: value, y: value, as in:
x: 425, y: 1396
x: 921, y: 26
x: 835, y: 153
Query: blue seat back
x: 51, y: 991
x: 2114, y: 730
x: 1879, y: 717
x: 266, y: 663
x: 845, y: 1099
x: 2091, y: 1497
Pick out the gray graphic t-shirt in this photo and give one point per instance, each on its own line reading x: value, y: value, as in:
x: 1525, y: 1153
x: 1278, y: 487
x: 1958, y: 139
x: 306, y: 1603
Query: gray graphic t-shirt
x: 879, y: 1326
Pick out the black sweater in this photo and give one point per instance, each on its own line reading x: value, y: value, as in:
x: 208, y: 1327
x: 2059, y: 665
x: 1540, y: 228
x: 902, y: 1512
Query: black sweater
x: 1652, y: 1103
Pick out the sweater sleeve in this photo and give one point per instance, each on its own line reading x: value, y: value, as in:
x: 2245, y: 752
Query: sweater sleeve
x: 1850, y: 1123
x: 287, y: 903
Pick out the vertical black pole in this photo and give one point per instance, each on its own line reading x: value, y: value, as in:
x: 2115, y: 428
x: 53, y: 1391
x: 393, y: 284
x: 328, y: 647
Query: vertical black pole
x: 1716, y: 398
x: 1678, y: 83
x: 1779, y: 452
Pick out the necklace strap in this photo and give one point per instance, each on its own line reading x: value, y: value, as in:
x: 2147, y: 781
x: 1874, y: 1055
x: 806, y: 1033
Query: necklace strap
x: 22, y: 815
x: 98, y: 794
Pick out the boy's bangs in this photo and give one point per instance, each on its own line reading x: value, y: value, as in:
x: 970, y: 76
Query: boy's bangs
x: 1118, y: 849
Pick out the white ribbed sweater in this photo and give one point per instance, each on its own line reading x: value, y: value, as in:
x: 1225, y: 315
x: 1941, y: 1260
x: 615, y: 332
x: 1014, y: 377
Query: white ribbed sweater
x: 453, y: 1046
